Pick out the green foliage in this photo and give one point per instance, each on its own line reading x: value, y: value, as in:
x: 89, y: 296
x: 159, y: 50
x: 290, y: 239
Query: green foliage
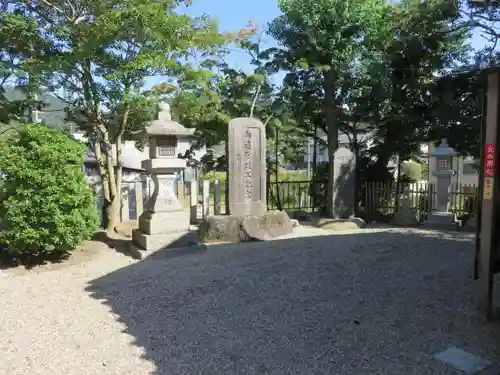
x: 214, y: 176
x: 47, y: 205
x: 97, y: 55
x: 20, y: 42
x: 424, y: 171
x: 209, y: 102
x: 283, y: 175
x: 411, y: 172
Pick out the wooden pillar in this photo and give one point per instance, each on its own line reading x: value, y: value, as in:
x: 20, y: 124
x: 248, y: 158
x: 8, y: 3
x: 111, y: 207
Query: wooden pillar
x: 125, y: 212
x: 180, y: 192
x: 217, y: 198
x: 205, y: 192
x: 489, y: 197
x: 194, y: 201
x: 139, y: 200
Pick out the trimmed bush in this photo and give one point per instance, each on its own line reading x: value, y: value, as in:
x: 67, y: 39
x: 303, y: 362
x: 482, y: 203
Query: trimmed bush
x: 47, y: 206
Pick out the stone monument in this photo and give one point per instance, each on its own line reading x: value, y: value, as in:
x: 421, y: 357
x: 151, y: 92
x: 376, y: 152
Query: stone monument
x: 345, y: 177
x: 248, y: 217
x: 163, y: 215
x: 247, y: 167
x: 344, y: 162
x: 405, y: 215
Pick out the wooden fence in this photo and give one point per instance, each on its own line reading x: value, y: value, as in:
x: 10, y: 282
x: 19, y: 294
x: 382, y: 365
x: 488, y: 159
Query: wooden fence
x: 464, y: 199
x: 205, y: 198
x: 381, y: 197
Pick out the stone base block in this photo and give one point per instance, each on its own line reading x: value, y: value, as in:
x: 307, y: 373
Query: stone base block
x: 467, y: 223
x: 164, y: 222
x: 235, y: 229
x: 340, y: 224
x: 405, y: 218
x: 153, y: 242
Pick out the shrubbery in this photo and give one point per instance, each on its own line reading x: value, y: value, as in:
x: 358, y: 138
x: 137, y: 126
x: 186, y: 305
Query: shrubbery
x: 46, y: 205
x: 411, y: 172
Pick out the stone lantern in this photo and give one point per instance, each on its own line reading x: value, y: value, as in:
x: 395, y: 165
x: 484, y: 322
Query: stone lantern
x: 443, y: 170
x: 163, y: 215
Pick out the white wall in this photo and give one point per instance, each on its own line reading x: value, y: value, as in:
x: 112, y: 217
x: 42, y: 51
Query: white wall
x: 132, y: 157
x: 465, y: 174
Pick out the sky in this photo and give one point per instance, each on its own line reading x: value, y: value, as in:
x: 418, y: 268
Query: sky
x: 232, y: 15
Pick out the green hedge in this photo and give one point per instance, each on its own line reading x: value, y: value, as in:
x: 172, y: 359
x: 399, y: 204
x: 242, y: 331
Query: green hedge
x: 47, y: 205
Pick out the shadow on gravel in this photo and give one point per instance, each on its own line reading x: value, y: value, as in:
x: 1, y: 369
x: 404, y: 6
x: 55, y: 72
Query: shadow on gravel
x: 369, y: 303
x: 30, y: 261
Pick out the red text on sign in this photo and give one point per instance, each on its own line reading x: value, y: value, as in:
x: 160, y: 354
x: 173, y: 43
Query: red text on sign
x: 489, y: 160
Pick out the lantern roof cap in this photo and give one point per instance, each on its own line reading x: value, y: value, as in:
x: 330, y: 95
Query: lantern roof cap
x: 443, y: 150
x: 164, y: 125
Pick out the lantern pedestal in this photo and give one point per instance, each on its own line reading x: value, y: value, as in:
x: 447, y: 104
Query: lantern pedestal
x: 164, y: 220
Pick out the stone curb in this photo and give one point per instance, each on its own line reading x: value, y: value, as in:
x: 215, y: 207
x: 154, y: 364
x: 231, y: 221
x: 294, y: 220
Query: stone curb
x: 138, y: 254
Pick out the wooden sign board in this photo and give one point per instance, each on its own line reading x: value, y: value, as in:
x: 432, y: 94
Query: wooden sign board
x: 488, y: 188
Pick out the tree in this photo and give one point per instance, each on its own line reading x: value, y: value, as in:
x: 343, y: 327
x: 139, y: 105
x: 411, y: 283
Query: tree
x: 482, y: 16
x: 327, y: 36
x: 100, y: 54
x: 462, y: 108
x: 47, y: 205
x: 19, y: 38
x: 210, y: 103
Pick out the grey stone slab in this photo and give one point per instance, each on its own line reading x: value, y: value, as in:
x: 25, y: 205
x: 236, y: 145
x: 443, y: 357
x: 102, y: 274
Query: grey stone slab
x: 154, y: 242
x: 247, y: 167
x: 463, y: 361
x: 345, y: 178
x: 164, y: 222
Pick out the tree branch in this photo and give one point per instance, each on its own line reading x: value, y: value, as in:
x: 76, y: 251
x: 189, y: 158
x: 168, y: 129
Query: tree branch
x: 255, y: 100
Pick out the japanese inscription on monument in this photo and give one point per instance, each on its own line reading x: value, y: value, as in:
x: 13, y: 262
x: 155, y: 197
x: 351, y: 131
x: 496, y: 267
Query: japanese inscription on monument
x: 247, y: 163
x: 247, y: 167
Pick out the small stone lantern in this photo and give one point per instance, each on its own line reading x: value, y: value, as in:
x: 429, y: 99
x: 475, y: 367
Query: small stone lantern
x: 163, y: 215
x: 443, y: 171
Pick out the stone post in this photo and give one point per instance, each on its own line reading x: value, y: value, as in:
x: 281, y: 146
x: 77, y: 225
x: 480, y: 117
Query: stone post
x: 443, y: 171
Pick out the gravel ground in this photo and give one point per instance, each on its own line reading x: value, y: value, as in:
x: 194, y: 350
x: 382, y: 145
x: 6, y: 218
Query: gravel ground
x: 376, y: 302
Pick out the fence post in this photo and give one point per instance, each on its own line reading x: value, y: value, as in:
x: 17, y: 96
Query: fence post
x: 193, y: 209
x: 124, y: 205
x: 217, y: 196
x: 139, y: 206
x: 180, y: 192
x: 205, y: 192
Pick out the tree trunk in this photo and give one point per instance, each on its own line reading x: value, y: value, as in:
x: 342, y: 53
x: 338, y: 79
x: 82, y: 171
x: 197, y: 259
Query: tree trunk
x: 357, y: 179
x: 315, y: 152
x: 277, y: 167
x: 332, y: 137
x: 118, y: 180
x: 113, y: 204
x: 398, y: 184
x: 314, y: 188
x: 111, y: 214
x: 109, y: 180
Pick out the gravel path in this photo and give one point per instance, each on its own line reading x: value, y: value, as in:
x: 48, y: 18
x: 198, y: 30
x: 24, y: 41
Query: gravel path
x: 375, y: 302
